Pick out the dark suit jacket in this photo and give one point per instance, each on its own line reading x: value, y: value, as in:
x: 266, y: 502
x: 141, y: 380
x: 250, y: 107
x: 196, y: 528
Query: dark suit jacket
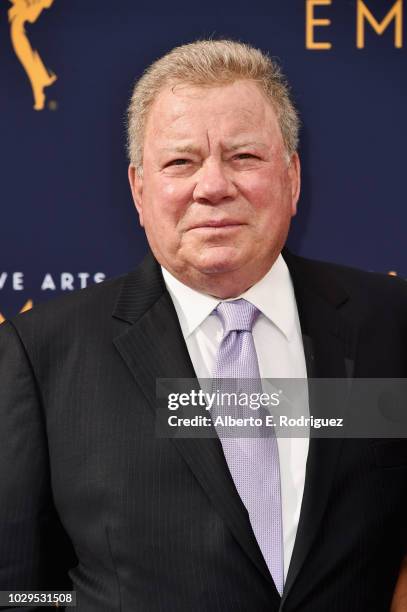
x: 144, y: 524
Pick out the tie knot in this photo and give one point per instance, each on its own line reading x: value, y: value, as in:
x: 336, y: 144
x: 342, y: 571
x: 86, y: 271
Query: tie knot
x: 238, y: 315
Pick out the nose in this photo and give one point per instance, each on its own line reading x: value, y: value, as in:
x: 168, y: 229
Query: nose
x: 213, y: 183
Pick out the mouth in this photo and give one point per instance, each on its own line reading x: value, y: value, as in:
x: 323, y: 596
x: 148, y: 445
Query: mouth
x: 225, y: 224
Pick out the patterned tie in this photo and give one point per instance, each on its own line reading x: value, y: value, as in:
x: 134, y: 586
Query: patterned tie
x: 253, y: 462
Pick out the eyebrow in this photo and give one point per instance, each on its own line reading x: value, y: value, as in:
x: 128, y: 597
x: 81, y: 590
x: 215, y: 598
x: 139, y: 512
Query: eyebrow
x: 189, y: 148
x: 240, y: 145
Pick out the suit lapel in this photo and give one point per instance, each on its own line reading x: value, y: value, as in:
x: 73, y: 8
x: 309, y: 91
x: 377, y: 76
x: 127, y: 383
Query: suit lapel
x: 153, y: 347
x: 329, y: 345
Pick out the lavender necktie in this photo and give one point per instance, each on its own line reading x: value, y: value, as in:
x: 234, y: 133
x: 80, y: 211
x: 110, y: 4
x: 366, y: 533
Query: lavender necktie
x: 253, y: 462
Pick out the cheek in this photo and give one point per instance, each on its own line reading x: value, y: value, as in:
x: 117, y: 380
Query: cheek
x: 260, y: 191
x: 166, y: 201
x: 265, y: 191
x: 169, y: 190
x: 177, y: 197
x: 176, y: 190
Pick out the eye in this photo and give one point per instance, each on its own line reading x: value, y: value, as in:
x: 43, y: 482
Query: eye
x: 246, y: 156
x: 178, y: 162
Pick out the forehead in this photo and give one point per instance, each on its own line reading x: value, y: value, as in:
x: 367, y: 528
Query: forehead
x: 235, y: 107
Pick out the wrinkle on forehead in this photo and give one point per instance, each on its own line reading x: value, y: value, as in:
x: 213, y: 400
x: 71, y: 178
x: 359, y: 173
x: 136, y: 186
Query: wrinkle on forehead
x: 230, y: 114
x: 179, y: 119
x: 184, y: 99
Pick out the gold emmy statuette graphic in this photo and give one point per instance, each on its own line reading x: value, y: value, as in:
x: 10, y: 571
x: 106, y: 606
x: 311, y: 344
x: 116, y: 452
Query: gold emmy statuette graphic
x: 18, y: 14
x: 27, y: 306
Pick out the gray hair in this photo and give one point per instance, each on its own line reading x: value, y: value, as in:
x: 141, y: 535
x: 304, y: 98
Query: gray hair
x: 210, y: 63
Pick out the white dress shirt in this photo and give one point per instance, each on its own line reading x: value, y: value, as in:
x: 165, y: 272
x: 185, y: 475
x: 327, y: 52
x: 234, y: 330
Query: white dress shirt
x: 280, y: 352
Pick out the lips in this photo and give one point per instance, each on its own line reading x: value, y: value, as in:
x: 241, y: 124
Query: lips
x: 216, y: 224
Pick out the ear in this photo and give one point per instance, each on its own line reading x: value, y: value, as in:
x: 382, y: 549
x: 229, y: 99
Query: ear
x: 136, y: 186
x: 294, y: 171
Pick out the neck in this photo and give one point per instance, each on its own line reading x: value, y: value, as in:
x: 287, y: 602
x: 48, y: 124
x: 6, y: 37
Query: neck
x: 222, y: 285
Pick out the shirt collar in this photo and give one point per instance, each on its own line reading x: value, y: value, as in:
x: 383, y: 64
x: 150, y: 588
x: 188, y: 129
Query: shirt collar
x: 273, y: 295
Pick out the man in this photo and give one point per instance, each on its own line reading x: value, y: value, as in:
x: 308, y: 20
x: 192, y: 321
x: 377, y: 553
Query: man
x: 147, y: 523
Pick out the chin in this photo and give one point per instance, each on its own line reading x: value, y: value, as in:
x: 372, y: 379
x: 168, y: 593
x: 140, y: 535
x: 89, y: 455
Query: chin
x: 218, y: 261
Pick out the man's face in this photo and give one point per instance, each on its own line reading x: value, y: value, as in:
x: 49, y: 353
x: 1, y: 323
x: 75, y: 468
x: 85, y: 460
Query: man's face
x: 217, y: 192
